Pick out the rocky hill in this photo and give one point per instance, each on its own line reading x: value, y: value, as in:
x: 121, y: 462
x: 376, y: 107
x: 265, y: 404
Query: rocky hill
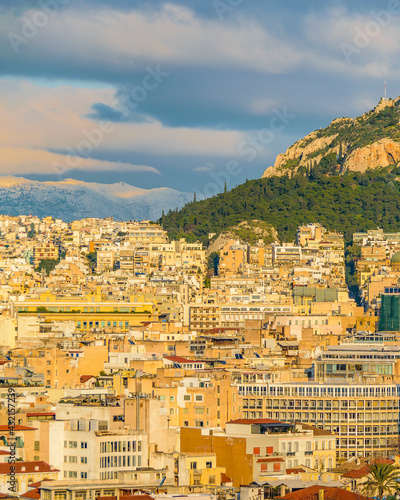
x: 346, y: 177
x: 251, y: 232
x: 348, y: 144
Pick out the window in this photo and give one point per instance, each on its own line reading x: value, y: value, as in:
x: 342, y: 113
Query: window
x: 193, y: 465
x: 208, y: 465
x: 83, y: 444
x: 83, y: 475
x: 72, y: 459
x: 72, y: 444
x: 83, y: 460
x: 256, y: 451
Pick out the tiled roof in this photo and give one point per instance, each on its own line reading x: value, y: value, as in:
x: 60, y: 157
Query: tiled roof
x: 6, y: 428
x: 32, y: 494
x: 29, y: 467
x: 296, y: 470
x: 312, y: 493
x: 364, y: 470
x: 178, y: 359
x: 357, y: 473
x: 225, y: 478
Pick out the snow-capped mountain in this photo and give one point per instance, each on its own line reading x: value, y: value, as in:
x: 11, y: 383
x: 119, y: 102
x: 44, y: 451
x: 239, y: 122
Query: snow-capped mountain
x: 71, y: 199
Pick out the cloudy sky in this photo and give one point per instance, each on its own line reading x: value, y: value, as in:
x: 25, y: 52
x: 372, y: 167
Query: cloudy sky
x: 184, y: 94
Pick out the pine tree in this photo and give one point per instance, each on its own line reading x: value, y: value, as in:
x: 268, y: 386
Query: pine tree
x: 225, y: 189
x: 194, y: 197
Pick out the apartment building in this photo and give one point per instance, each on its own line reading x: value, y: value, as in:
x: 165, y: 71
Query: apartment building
x: 206, y: 316
x: 87, y: 449
x: 89, y: 312
x: 352, y: 361
x: 45, y: 251
x: 364, y: 416
x: 90, y: 490
x: 262, y: 448
x: 145, y: 232
x: 105, y: 260
x: 25, y: 473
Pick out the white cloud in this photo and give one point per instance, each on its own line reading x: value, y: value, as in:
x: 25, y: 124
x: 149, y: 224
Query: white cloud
x: 354, y: 44
x: 38, y: 120
x: 172, y: 35
x: 29, y: 161
x: 204, y: 168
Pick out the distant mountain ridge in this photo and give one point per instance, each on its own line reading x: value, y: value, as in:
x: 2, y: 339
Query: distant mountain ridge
x: 71, y: 199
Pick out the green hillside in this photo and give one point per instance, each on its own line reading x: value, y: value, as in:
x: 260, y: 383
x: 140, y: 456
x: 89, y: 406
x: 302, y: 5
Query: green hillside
x: 348, y: 203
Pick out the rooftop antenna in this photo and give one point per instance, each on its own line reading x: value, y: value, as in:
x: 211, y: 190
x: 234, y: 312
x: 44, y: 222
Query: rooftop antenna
x: 385, y: 88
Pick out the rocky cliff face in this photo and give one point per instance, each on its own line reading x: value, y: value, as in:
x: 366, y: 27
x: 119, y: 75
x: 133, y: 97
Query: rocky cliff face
x: 366, y: 142
x: 382, y: 153
x: 300, y: 154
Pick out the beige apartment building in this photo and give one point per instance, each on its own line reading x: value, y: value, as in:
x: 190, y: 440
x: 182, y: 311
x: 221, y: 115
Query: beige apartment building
x: 44, y: 251
x: 205, y: 316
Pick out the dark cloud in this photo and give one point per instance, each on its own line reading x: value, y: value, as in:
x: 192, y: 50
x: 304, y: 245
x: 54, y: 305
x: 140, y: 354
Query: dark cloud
x: 316, y: 87
x: 101, y: 111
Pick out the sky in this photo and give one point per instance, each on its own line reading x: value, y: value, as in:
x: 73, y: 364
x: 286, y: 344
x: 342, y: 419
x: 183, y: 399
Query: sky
x: 183, y: 94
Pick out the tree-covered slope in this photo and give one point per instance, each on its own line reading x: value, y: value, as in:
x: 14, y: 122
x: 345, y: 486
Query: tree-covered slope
x: 349, y: 203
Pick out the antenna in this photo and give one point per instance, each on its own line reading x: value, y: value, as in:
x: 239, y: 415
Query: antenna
x: 385, y: 83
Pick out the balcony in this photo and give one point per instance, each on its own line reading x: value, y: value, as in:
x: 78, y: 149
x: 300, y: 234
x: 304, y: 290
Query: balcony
x: 308, y: 452
x: 291, y: 454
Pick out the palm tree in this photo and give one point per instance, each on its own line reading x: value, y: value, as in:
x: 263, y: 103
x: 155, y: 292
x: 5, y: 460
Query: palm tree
x: 382, y: 479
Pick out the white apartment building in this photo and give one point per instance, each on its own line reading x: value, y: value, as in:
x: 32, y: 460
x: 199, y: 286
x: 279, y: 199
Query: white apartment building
x: 364, y: 416
x: 86, y: 449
